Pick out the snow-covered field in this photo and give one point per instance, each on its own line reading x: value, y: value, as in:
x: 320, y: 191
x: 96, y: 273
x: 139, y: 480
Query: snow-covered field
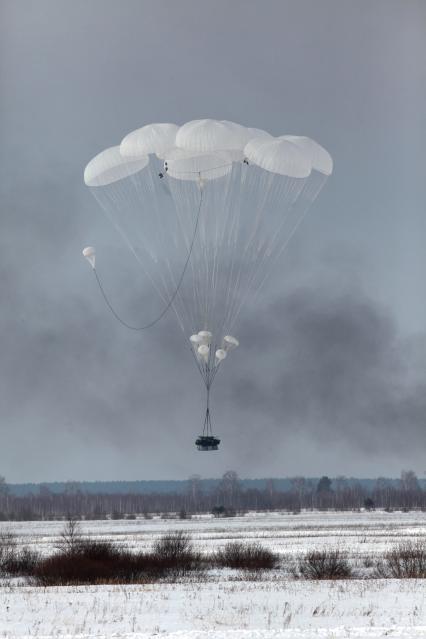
x: 227, y: 604
x: 230, y: 609
x: 362, y: 533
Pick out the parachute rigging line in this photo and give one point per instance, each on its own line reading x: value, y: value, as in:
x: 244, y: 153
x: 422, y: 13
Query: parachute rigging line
x: 207, y: 428
x: 175, y: 292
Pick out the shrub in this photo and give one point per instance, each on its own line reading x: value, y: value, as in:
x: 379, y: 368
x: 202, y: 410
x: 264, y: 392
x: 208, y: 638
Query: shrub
x: 173, y: 545
x: 246, y: 557
x: 80, y: 560
x: 405, y: 561
x: 221, y: 511
x: 7, y: 546
x: 324, y: 564
x: 369, y: 503
x: 90, y: 562
x: 174, y: 553
x: 94, y: 562
x: 14, y: 561
x: 70, y: 538
x: 8, y: 549
x: 23, y: 563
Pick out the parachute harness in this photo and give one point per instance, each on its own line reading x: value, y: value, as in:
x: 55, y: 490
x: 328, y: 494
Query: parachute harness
x: 175, y: 292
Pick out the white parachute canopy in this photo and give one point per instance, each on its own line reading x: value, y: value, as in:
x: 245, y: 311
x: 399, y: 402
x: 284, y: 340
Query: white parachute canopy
x: 204, y: 352
x: 206, y: 337
x: 205, y: 136
x: 196, y: 341
x: 188, y: 165
x: 207, y: 208
x: 109, y: 166
x: 152, y: 138
x: 229, y: 343
x: 220, y: 355
x: 90, y: 254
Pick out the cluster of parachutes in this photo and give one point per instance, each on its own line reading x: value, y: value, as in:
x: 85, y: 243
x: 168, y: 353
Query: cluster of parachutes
x: 206, y: 208
x: 208, y: 147
x: 201, y: 343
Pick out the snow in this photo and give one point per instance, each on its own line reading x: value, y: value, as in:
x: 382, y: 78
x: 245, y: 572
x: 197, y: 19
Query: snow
x: 362, y: 533
x: 227, y: 604
x: 229, y: 609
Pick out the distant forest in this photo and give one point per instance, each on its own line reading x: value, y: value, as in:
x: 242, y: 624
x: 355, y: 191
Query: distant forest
x: 226, y: 496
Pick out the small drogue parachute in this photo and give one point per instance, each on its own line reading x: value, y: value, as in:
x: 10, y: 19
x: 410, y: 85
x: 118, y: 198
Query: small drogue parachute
x: 207, y: 209
x: 90, y: 254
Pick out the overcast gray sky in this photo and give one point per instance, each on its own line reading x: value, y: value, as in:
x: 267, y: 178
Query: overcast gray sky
x: 339, y: 341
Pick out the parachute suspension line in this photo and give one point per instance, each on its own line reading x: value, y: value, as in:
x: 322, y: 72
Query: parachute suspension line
x: 128, y: 243
x: 197, y: 363
x: 214, y: 372
x: 207, y: 428
x: 311, y: 196
x: 276, y: 247
x: 175, y: 292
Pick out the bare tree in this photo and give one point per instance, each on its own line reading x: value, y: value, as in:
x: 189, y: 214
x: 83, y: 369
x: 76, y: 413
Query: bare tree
x: 410, y: 488
x: 194, y: 491
x: 4, y: 488
x: 298, y: 486
x: 4, y: 497
x: 409, y: 481
x: 71, y: 538
x: 230, y: 489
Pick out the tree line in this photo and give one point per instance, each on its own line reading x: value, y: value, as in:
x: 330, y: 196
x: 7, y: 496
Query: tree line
x: 227, y: 498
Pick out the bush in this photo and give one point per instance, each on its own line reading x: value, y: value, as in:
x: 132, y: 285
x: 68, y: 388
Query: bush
x: 7, y: 546
x: 8, y: 550
x: 90, y: 562
x: 14, y: 561
x: 369, y: 503
x: 95, y: 562
x: 324, y: 564
x: 70, y: 538
x: 173, y: 545
x: 174, y: 553
x: 246, y: 557
x: 23, y: 563
x: 221, y: 511
x: 405, y: 561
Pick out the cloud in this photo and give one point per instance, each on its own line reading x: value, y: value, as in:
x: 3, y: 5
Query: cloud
x: 326, y: 376
x: 337, y: 373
